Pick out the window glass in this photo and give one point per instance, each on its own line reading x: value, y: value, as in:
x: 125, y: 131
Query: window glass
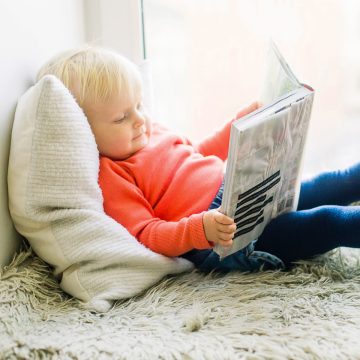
x: 208, y: 57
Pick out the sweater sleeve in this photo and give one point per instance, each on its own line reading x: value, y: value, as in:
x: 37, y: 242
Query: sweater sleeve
x: 125, y: 203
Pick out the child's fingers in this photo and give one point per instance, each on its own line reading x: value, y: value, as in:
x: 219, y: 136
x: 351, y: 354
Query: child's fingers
x: 247, y: 110
x: 226, y: 229
x: 225, y: 236
x: 223, y: 219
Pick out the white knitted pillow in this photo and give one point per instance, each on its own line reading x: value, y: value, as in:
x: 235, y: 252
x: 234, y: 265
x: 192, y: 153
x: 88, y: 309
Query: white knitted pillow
x: 56, y: 203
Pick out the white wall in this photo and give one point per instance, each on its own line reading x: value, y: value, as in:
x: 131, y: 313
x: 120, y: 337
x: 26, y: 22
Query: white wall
x: 30, y: 32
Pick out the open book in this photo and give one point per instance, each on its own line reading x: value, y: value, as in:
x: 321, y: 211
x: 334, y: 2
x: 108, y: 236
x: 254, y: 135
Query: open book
x: 266, y: 147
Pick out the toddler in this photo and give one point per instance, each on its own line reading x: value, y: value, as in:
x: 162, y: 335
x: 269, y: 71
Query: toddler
x: 167, y: 190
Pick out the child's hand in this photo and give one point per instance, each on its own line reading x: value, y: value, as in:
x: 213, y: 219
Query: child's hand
x: 250, y: 108
x: 219, y: 228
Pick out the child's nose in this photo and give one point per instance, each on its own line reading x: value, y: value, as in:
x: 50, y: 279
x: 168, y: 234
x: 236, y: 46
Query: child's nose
x: 139, y: 121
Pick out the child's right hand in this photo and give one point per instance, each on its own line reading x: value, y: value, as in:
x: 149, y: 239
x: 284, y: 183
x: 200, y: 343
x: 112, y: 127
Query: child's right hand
x: 248, y: 109
x: 219, y: 228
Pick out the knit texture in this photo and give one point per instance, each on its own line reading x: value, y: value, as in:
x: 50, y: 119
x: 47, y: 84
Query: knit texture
x: 61, y: 213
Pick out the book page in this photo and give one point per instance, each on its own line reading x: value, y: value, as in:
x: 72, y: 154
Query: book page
x: 279, y: 78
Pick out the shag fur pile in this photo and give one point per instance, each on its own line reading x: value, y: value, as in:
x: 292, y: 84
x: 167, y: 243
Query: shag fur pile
x: 310, y: 312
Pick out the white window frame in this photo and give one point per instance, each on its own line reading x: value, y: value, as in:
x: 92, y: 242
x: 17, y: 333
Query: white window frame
x: 116, y: 24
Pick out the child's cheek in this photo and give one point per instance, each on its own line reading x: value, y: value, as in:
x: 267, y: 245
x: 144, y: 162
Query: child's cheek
x: 148, y: 126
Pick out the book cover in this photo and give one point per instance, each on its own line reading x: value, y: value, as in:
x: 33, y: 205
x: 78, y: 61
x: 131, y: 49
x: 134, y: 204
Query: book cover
x: 263, y: 172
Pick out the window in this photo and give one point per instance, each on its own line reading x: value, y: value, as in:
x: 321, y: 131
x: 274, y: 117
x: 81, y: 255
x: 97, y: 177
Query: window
x: 207, y: 59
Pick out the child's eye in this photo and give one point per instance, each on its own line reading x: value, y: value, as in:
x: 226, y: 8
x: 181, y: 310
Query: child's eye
x: 139, y: 106
x: 118, y: 121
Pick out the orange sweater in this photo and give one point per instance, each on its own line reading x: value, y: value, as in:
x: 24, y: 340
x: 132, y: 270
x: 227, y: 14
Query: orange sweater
x: 160, y: 193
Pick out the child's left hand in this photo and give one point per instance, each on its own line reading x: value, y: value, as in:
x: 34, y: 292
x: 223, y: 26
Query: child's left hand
x: 219, y: 228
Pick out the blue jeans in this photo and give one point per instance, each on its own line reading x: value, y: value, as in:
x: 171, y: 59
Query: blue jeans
x: 323, y: 221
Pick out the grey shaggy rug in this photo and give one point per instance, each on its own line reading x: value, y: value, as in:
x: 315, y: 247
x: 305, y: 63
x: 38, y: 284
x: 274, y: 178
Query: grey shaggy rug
x: 310, y: 312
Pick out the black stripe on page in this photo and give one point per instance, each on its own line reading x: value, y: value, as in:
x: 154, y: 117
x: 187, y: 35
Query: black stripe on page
x: 253, y: 210
x: 248, y: 206
x: 255, y: 195
x: 258, y: 186
x: 248, y: 229
x: 250, y: 220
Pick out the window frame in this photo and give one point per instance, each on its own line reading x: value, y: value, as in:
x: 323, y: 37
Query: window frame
x: 116, y: 24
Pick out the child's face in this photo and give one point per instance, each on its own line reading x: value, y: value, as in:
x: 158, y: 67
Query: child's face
x: 119, y: 125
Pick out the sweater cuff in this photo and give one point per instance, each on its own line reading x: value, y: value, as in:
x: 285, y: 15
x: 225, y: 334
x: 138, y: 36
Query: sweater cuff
x: 199, y: 240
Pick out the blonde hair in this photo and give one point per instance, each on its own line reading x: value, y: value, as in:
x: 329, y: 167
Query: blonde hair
x: 94, y: 74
